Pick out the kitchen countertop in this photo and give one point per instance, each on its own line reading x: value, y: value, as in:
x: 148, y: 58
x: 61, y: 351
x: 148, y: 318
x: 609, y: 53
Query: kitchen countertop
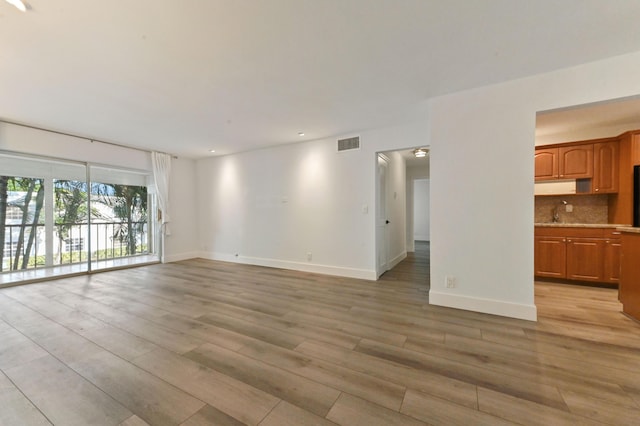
x: 629, y: 229
x: 586, y: 225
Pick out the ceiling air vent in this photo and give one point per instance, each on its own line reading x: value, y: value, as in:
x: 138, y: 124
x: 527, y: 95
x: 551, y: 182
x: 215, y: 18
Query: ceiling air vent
x: 349, y: 144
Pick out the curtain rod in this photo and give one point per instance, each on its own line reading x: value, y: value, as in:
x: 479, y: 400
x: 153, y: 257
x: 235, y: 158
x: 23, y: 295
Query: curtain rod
x: 29, y: 126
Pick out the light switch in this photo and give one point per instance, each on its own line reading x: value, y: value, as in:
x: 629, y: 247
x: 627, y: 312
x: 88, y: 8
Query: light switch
x: 365, y: 209
x: 569, y: 208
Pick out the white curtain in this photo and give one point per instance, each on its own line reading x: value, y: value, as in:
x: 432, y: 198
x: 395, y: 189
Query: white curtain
x: 161, y: 176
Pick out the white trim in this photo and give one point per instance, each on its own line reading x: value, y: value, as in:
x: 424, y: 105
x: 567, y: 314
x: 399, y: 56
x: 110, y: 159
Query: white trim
x: 421, y: 237
x: 399, y: 258
x: 364, y: 274
x: 487, y: 306
x: 181, y: 256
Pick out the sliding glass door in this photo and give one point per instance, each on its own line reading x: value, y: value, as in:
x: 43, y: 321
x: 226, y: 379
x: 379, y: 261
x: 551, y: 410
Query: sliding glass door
x: 122, y: 209
x: 60, y: 217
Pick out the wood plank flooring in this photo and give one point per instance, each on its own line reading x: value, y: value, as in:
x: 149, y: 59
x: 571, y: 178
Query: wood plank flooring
x: 210, y: 343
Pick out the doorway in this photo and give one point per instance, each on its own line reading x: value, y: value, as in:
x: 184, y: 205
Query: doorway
x: 396, y: 173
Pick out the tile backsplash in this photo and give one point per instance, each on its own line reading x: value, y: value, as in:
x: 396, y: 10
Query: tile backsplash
x: 586, y: 208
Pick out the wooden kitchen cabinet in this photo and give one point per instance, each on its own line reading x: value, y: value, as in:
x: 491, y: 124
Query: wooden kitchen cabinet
x: 564, y: 162
x: 550, y: 254
x: 575, y: 162
x: 546, y: 164
x: 612, y: 251
x: 630, y: 274
x: 577, y: 253
x: 606, y: 173
x: 585, y: 259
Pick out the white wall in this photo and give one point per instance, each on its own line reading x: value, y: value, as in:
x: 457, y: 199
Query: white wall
x: 482, y: 144
x: 421, y: 210
x: 273, y: 206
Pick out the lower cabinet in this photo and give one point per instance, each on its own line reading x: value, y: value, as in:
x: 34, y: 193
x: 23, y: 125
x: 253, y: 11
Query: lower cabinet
x: 584, y: 254
x: 585, y: 259
x: 612, y: 253
x: 550, y: 257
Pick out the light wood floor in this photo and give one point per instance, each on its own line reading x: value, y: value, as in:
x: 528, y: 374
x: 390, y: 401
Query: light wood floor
x: 201, y: 342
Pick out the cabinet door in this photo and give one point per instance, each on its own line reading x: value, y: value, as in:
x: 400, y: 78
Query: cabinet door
x: 584, y: 259
x: 550, y: 258
x: 576, y: 162
x: 546, y: 164
x: 606, y: 171
x: 612, y: 261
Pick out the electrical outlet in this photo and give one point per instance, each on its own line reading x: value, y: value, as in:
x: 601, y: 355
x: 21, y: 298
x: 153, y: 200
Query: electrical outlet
x: 450, y: 282
x: 309, y: 256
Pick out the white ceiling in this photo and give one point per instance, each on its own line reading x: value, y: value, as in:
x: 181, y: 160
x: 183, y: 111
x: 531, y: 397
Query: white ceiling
x: 232, y: 75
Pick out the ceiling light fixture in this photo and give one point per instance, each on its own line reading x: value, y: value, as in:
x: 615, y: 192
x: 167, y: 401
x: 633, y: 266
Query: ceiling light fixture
x: 300, y: 133
x: 18, y: 4
x: 212, y: 150
x: 420, y: 152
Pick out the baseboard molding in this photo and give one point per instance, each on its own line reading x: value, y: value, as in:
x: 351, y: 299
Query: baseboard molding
x: 420, y: 237
x: 487, y: 306
x: 339, y: 271
x: 399, y: 258
x: 181, y: 256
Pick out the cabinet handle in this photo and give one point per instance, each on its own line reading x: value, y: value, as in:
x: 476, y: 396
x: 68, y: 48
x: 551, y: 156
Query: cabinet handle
x: 597, y: 189
x: 568, y: 241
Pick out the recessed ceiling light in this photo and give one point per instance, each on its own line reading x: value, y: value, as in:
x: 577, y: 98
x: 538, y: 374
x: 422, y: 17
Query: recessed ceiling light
x: 212, y: 150
x: 19, y: 4
x: 300, y: 133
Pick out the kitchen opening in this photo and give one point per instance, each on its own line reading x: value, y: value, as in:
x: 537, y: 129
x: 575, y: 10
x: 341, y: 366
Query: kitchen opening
x: 584, y: 232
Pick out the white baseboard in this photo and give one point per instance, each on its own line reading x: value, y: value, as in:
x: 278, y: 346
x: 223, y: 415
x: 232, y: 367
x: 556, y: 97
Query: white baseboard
x: 399, y: 258
x: 340, y: 271
x: 487, y: 306
x: 181, y: 256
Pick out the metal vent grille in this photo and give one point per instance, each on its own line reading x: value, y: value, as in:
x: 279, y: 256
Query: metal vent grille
x: 349, y: 143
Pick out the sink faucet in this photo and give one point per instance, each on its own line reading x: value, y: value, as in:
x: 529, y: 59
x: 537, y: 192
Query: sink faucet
x: 556, y: 212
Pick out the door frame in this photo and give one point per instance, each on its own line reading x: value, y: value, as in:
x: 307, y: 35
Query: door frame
x: 382, y: 229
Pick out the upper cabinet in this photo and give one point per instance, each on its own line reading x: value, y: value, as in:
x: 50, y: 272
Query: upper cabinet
x: 570, y: 162
x: 546, y: 164
x: 606, y: 176
x: 594, y: 166
x: 575, y: 162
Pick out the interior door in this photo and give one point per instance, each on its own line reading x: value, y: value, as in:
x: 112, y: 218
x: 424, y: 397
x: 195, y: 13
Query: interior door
x: 382, y: 232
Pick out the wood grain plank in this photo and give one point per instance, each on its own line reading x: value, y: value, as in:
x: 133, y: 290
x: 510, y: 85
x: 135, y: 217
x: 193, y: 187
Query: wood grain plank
x: 15, y: 348
x: 453, y: 390
x: 473, y: 374
x: 149, y: 397
x: 64, y: 396
x: 382, y: 392
x: 304, y: 393
x: 230, y: 396
x: 134, y: 421
x: 16, y: 408
x: 436, y: 411
x: 352, y: 411
x: 209, y: 415
x: 522, y: 411
x: 286, y: 414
